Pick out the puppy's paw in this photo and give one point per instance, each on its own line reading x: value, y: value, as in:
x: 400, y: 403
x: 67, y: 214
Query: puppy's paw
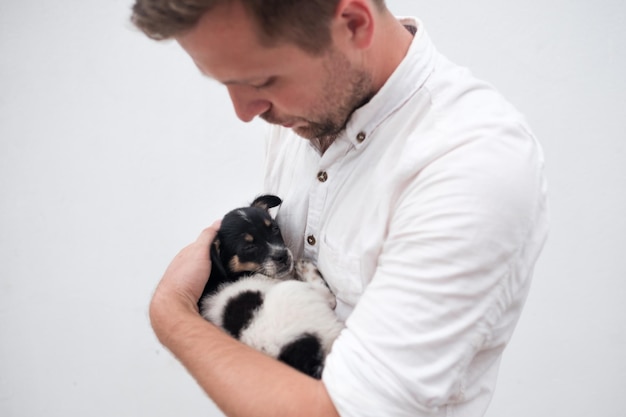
x: 306, y: 271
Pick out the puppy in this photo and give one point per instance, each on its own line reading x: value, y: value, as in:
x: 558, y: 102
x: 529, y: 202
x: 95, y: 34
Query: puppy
x: 258, y: 295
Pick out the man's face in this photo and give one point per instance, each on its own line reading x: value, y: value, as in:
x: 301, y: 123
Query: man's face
x: 282, y: 84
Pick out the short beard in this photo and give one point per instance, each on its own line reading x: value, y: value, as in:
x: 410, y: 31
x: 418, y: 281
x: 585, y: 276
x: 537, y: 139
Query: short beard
x: 345, y: 90
x: 339, y: 104
x: 329, y: 129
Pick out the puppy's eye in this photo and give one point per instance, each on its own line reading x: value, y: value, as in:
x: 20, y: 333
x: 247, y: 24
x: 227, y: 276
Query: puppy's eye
x: 275, y: 229
x: 249, y: 249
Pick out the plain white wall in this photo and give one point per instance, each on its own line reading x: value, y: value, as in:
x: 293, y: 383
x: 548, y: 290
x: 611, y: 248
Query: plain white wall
x: 115, y: 153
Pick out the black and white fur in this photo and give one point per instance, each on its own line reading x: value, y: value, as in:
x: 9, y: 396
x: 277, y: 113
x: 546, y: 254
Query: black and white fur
x: 259, y: 295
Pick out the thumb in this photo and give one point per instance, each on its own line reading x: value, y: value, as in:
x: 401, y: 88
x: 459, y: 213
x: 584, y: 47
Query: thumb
x: 207, y: 236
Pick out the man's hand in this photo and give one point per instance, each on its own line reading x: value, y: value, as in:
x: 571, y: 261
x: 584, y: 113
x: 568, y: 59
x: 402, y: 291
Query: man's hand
x: 182, y: 284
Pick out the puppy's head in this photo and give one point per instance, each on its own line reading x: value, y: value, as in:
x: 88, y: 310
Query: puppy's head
x: 249, y: 241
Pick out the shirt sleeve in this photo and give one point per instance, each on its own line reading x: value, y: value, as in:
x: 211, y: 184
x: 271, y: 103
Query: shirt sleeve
x: 455, y: 268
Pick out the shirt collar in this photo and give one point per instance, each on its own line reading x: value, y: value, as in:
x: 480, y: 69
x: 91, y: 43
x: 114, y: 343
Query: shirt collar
x: 403, y: 83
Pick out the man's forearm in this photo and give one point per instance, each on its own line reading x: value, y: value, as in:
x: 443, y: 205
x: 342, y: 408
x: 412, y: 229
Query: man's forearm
x: 241, y: 381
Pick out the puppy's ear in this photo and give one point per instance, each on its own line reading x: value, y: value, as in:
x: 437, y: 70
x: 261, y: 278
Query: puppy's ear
x: 216, y: 260
x: 217, y: 267
x: 218, y: 273
x: 266, y: 201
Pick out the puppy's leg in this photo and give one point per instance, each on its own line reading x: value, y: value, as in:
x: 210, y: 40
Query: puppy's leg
x: 306, y: 271
x: 305, y: 354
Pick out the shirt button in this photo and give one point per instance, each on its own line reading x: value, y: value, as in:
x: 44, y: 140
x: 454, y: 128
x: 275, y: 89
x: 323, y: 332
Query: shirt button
x: 360, y: 137
x: 311, y: 240
x: 322, y: 176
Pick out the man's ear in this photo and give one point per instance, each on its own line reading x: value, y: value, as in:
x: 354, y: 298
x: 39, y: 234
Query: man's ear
x: 356, y: 21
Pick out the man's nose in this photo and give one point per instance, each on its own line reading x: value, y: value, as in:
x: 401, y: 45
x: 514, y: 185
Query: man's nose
x: 247, y: 102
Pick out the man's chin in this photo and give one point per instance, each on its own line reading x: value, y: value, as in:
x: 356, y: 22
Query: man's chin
x: 300, y: 128
x: 303, y: 131
x: 308, y: 130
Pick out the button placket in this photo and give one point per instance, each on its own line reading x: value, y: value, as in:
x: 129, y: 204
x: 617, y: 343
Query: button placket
x: 319, y: 190
x: 322, y: 176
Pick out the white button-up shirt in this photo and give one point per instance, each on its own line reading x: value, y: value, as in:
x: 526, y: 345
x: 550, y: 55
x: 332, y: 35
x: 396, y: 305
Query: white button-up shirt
x: 426, y: 218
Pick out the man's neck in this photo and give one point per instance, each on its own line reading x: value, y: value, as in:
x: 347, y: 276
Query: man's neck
x: 390, y: 32
x: 322, y: 144
x: 391, y: 45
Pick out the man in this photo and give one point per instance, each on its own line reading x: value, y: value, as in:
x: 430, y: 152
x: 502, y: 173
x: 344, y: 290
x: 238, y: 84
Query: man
x: 417, y: 190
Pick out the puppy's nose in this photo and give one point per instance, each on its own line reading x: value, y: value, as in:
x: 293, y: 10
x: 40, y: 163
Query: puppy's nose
x: 281, y: 256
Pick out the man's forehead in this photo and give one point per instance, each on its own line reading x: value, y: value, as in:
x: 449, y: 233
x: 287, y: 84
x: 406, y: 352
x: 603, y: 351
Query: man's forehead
x: 234, y: 56
x: 224, y: 27
x: 234, y: 64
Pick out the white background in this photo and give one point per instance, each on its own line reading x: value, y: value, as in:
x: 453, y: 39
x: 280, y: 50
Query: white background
x: 115, y: 153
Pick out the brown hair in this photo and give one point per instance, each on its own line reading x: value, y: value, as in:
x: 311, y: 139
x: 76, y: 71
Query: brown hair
x: 303, y: 22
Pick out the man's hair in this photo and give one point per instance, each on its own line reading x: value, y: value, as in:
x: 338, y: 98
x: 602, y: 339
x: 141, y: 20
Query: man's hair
x: 303, y: 22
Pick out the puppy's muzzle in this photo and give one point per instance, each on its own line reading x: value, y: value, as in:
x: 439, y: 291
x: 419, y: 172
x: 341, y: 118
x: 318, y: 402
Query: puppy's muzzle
x: 280, y: 263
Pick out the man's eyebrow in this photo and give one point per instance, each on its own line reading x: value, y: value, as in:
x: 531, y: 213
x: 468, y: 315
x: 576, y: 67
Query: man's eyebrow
x: 233, y: 82
x: 248, y: 81
x: 244, y: 81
